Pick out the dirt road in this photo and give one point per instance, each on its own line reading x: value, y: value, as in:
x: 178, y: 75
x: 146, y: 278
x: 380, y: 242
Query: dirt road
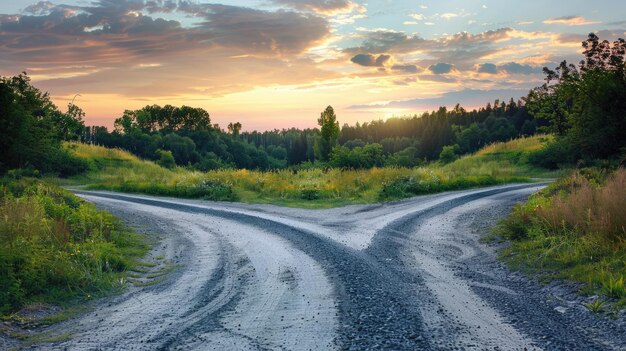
x: 402, y: 276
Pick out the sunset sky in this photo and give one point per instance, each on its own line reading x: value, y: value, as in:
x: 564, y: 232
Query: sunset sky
x: 278, y: 63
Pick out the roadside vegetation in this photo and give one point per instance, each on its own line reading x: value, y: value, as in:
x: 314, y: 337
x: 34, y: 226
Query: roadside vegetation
x: 55, y: 247
x: 310, y: 187
x: 575, y: 229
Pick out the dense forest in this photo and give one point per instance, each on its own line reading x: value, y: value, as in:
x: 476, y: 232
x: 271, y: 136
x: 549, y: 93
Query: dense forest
x: 583, y: 106
x: 186, y: 134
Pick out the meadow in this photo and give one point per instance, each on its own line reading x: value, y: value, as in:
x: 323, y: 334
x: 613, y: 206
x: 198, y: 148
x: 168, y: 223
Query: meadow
x: 117, y: 170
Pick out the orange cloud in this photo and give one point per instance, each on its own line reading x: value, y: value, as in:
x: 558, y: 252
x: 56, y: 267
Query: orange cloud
x: 570, y: 21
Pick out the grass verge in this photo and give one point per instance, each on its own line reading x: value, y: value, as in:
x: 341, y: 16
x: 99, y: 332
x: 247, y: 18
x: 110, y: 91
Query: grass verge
x: 56, y: 248
x: 575, y: 229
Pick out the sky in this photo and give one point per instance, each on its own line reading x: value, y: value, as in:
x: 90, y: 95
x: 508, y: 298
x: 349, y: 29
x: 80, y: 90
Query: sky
x: 278, y: 63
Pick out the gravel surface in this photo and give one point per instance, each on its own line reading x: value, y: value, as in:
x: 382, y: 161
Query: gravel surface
x: 400, y: 276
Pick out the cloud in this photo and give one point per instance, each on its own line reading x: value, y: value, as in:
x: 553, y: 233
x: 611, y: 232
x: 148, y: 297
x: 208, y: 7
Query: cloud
x: 254, y: 30
x: 39, y: 8
x: 418, y: 16
x: 383, y: 40
x: 116, y: 30
x: 570, y: 21
x: 405, y: 68
x: 105, y: 47
x: 461, y: 49
x: 369, y: 60
x: 441, y: 68
x: 448, y: 15
x: 327, y: 7
x: 470, y: 98
x: 509, y: 67
x: 516, y: 68
x: 489, y: 68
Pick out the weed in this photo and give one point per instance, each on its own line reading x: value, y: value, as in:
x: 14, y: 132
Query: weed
x: 596, y: 306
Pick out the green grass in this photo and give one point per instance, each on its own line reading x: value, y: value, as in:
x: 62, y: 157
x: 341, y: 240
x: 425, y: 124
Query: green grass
x: 311, y: 188
x: 596, y: 306
x: 573, y: 230
x: 56, y: 248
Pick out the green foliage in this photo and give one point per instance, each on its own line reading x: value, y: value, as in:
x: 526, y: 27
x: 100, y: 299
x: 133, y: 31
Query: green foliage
x: 556, y: 154
x: 449, y: 153
x: 368, y: 156
x: 585, y: 106
x: 596, y: 306
x: 329, y: 131
x: 308, y: 185
x: 33, y: 129
x: 166, y: 159
x: 54, y: 246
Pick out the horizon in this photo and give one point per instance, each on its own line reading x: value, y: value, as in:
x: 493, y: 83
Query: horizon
x: 276, y: 64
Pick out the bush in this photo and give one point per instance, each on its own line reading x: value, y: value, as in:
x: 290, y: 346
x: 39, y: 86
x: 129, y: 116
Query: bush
x: 310, y: 193
x: 449, y: 153
x: 166, y: 159
x: 554, y: 155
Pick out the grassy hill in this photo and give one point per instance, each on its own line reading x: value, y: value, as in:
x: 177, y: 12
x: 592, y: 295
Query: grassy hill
x: 498, y: 163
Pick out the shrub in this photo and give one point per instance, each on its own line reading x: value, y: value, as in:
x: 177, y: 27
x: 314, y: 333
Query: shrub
x: 166, y: 159
x: 554, y: 154
x: 449, y: 153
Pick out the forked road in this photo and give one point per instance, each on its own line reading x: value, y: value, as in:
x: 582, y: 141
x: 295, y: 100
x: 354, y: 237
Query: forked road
x: 403, y: 276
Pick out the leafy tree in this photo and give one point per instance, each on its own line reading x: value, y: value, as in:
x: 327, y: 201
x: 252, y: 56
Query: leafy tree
x: 234, y: 128
x: 329, y: 131
x: 32, y: 131
x: 586, y: 106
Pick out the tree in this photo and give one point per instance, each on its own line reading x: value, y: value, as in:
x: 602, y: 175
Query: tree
x: 30, y: 136
x: 586, y: 106
x: 329, y: 131
x: 234, y: 128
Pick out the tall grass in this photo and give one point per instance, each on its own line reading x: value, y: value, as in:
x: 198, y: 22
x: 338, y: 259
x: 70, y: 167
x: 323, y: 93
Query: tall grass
x: 316, y: 187
x: 574, y: 229
x: 54, y: 246
x: 589, y: 208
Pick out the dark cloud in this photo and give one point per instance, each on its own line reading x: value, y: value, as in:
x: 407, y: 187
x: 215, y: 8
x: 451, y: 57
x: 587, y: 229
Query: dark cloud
x: 369, y: 60
x: 441, y: 68
x: 405, y: 68
x: 516, y: 68
x: 118, y: 32
x: 381, y: 41
x: 320, y: 6
x: 461, y: 49
x: 437, y: 78
x: 487, y: 68
x: 280, y: 32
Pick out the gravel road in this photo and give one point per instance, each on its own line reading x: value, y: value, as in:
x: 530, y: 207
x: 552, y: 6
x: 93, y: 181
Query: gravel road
x: 399, y: 276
